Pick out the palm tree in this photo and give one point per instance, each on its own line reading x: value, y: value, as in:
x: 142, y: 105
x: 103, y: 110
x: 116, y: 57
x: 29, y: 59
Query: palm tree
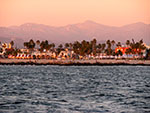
x: 44, y: 46
x: 37, y: 43
x: 93, y: 43
x: 141, y: 41
x: 31, y: 44
x: 128, y: 43
x: 47, y: 46
x: 118, y: 44
x: 66, y: 45
x: 52, y: 46
x: 128, y: 51
x: 12, y: 43
x: 108, y: 50
x: 76, y: 47
x: 60, y: 46
x: 108, y: 44
x: 46, y: 42
x: 85, y: 48
x: 99, y: 47
x: 141, y: 48
x: 113, y: 43
x: 26, y: 44
x: 70, y: 45
x: 103, y: 46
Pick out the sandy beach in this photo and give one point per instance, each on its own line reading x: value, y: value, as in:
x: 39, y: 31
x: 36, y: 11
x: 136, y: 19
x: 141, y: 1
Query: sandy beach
x: 72, y: 62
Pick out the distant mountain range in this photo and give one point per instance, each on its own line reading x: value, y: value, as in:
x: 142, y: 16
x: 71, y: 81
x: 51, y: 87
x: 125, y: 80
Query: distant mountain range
x: 81, y: 31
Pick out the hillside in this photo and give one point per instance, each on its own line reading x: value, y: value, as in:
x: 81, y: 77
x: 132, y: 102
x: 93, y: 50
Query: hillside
x: 81, y: 31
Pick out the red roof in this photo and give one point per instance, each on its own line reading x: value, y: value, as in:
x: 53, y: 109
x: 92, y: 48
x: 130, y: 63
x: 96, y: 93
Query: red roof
x: 122, y: 49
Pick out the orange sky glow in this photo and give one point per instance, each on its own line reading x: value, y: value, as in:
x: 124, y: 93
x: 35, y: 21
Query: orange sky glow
x: 64, y: 12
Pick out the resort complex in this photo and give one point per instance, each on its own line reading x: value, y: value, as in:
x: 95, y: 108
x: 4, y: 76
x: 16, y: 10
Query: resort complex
x: 77, y: 50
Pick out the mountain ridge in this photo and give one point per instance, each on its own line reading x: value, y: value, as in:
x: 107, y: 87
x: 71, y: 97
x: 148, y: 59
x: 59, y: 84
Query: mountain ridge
x: 72, y: 32
x: 87, y: 21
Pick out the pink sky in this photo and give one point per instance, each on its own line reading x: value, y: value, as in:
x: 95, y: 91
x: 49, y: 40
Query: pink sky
x: 63, y: 12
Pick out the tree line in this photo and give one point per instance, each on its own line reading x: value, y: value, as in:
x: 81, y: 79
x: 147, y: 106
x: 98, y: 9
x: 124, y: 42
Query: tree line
x: 88, y: 47
x: 82, y: 47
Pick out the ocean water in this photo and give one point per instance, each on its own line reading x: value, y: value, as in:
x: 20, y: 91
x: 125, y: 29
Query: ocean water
x: 74, y: 89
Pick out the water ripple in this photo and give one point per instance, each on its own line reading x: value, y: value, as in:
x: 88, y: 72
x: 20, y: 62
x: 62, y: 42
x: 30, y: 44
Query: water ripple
x: 75, y: 89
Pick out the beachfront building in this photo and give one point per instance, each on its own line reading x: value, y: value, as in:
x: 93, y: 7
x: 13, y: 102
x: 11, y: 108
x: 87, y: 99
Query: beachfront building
x: 65, y: 54
x: 122, y: 49
x: 22, y: 56
x: 128, y: 52
x: 25, y: 51
x: 4, y: 47
x: 147, y: 46
x: 46, y: 54
x: 36, y: 54
x: 146, y: 53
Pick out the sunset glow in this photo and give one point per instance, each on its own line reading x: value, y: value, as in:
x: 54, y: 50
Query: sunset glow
x: 63, y: 12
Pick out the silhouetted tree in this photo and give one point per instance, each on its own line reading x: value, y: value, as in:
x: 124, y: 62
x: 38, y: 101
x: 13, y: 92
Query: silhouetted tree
x: 118, y: 44
x: 113, y: 43
x: 128, y: 42
x: 31, y: 44
x: 103, y: 46
x: 99, y: 47
x: 26, y: 44
x: 108, y: 51
x: 38, y: 43
x: 12, y: 43
x: 44, y: 46
x: 66, y: 45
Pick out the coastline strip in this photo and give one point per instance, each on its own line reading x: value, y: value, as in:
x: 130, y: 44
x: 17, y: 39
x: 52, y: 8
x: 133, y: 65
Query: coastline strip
x: 102, y: 62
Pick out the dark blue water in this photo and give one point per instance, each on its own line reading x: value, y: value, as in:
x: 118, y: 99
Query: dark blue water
x: 75, y: 89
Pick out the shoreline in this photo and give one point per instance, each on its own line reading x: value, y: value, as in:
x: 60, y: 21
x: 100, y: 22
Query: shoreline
x: 99, y: 62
